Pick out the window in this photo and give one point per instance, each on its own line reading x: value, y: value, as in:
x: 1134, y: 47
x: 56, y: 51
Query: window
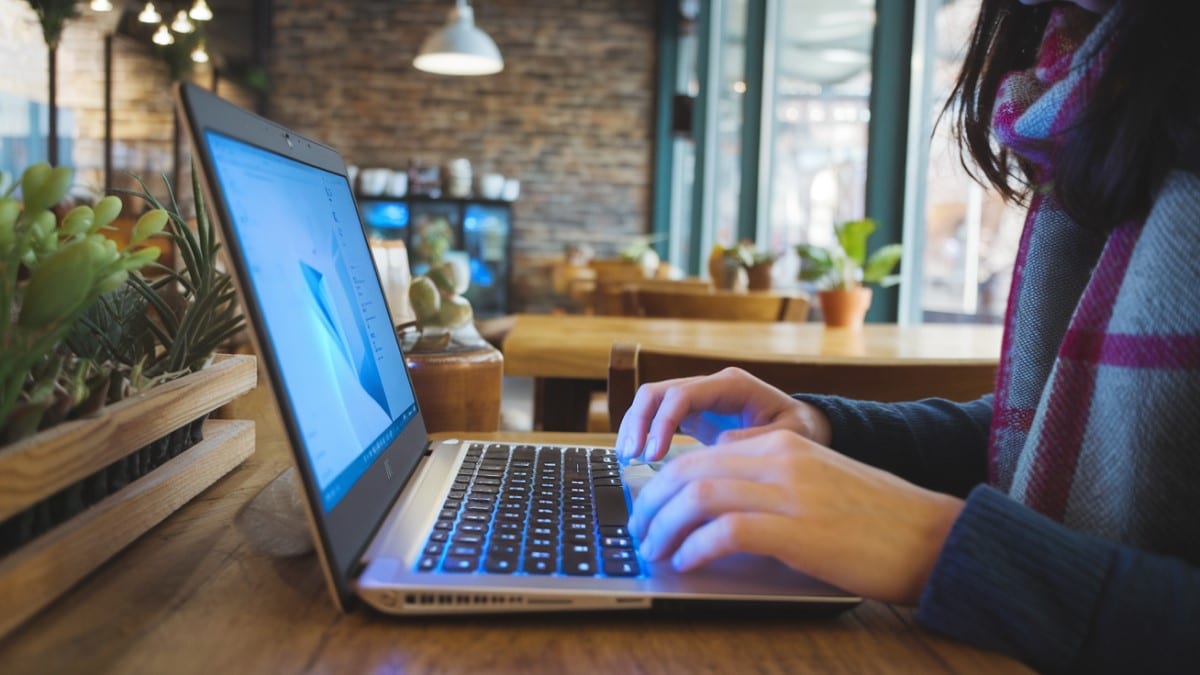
x: 781, y: 90
x: 815, y: 128
x: 965, y: 237
x: 24, y: 126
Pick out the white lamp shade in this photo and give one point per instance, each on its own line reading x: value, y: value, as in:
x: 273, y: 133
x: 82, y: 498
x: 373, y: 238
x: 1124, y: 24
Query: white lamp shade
x: 459, y: 48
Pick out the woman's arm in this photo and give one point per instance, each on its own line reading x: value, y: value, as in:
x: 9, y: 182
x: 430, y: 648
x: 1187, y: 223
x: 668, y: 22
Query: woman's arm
x: 1012, y: 580
x: 938, y: 444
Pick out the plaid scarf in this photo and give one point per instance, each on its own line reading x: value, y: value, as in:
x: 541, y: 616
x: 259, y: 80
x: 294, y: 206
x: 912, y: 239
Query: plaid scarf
x: 1096, y: 419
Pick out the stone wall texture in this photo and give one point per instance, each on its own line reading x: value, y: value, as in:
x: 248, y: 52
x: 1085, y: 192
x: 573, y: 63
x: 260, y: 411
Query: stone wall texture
x: 571, y: 116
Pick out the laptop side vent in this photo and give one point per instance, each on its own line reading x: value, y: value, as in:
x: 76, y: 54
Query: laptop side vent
x: 461, y: 599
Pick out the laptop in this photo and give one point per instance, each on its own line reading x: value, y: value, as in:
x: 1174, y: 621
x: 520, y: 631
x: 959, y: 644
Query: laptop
x: 406, y: 525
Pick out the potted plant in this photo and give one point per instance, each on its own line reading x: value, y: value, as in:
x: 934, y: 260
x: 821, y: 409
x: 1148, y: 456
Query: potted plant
x: 52, y: 272
x: 740, y: 266
x: 640, y: 252
x: 101, y: 381
x: 456, y: 374
x: 841, y: 272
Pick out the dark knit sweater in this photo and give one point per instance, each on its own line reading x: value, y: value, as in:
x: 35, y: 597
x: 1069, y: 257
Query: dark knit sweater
x: 1078, y: 549
x: 1013, y: 580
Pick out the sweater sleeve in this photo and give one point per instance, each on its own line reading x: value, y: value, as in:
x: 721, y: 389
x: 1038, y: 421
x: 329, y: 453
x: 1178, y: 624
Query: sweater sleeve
x: 1015, y: 581
x: 939, y: 444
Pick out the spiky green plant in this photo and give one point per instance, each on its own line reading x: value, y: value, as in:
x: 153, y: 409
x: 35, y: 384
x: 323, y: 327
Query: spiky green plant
x: 206, y: 313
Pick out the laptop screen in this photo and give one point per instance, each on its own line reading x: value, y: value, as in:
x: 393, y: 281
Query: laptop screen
x: 321, y: 308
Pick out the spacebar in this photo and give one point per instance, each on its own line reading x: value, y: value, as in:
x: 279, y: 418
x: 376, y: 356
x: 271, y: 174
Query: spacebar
x: 610, y: 506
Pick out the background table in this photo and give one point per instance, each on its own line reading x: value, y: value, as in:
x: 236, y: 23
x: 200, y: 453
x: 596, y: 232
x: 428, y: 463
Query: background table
x: 194, y: 596
x: 567, y: 355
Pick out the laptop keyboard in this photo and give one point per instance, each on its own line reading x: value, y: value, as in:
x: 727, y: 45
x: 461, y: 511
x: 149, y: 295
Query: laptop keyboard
x: 521, y: 509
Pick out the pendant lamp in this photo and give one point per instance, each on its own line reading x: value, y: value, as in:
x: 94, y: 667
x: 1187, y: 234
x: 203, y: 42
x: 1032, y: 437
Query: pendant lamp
x: 459, y: 48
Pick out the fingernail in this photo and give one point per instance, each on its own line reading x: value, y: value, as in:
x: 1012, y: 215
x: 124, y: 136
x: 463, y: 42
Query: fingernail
x: 677, y: 561
x: 651, y: 447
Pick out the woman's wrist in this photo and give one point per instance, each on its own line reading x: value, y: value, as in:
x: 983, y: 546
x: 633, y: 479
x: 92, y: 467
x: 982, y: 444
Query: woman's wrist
x: 820, y: 431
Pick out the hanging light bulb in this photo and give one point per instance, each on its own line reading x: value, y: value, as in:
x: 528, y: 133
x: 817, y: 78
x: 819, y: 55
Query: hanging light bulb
x: 101, y: 6
x: 459, y: 47
x: 199, y: 55
x: 181, y: 24
x: 200, y: 11
x: 149, y: 14
x: 162, y: 36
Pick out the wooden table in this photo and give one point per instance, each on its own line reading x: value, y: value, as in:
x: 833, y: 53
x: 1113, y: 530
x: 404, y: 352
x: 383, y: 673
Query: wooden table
x: 568, y: 355
x: 193, y: 595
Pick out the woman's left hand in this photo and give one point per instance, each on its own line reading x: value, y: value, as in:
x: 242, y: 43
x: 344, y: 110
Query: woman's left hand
x: 781, y: 495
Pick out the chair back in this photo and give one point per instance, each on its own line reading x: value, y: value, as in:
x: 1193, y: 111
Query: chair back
x: 716, y: 304
x: 574, y: 285
x: 611, y: 277
x: 630, y: 365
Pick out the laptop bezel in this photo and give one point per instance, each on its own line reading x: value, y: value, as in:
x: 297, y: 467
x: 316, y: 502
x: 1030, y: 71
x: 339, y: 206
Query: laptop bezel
x: 345, y: 532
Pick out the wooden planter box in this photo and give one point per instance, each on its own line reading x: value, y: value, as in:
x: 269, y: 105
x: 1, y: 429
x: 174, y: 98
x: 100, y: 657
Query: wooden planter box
x: 43, y: 472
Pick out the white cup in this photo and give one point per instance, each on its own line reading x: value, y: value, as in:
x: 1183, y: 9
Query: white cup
x: 491, y: 185
x: 373, y: 182
x: 512, y: 190
x: 460, y: 167
x: 397, y: 184
x: 459, y: 187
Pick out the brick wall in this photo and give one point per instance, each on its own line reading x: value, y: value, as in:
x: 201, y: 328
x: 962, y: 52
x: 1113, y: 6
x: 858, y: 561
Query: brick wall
x: 571, y: 115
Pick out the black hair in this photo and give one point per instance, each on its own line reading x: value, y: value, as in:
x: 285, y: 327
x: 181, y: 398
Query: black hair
x: 1141, y: 119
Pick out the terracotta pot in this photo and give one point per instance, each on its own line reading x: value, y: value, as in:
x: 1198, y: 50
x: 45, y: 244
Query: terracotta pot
x: 726, y: 274
x: 716, y: 265
x: 758, y: 277
x: 845, y: 308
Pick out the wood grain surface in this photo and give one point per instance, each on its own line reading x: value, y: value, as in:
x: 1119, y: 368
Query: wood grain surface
x: 574, y: 346
x: 37, y: 467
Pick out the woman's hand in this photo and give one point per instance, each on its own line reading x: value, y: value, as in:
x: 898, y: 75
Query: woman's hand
x: 784, y: 496
x: 722, y: 407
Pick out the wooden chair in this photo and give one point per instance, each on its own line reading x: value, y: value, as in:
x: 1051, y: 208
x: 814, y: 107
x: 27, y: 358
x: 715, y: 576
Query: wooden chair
x: 573, y: 285
x: 715, y: 304
x: 611, y: 278
x: 630, y: 291
x: 630, y: 365
x: 691, y: 302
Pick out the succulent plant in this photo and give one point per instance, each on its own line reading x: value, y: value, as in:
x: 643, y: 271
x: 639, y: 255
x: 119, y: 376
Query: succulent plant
x: 436, y: 297
x: 51, y: 272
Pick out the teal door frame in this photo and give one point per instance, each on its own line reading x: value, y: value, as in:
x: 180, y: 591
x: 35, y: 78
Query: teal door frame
x: 887, y: 140
x: 664, y: 158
